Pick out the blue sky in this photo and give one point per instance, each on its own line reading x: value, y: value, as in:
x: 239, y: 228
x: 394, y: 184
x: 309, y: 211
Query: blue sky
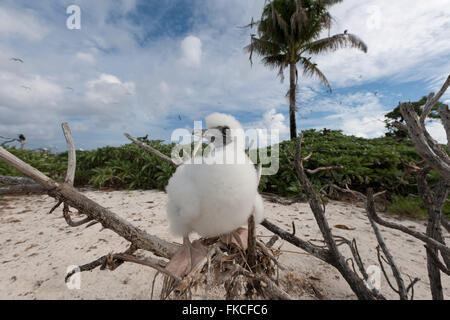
x: 137, y: 65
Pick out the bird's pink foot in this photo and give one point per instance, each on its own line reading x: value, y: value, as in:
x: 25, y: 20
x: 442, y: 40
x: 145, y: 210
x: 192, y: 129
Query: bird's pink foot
x: 187, y: 258
x: 238, y: 238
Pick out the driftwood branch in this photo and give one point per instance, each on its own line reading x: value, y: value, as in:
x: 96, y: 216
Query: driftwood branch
x: 72, y: 156
x: 435, y: 157
x: 19, y: 185
x: 432, y: 100
x: 15, y: 180
x: 107, y: 218
x: 370, y: 209
x: 330, y: 253
x: 102, y: 262
x: 22, y: 189
x: 418, y: 235
x: 425, y: 145
x: 152, y: 150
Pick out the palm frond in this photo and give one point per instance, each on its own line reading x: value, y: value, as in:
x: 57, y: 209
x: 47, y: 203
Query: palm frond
x: 310, y: 70
x: 279, y: 21
x: 279, y: 61
x: 329, y: 3
x: 275, y: 61
x: 299, y: 17
x: 343, y: 40
x: 263, y: 47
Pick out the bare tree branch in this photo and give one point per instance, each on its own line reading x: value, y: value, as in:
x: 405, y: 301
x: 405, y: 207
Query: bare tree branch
x: 323, y: 169
x: 152, y: 150
x: 331, y: 254
x: 22, y: 189
x: 107, y: 218
x: 72, y: 156
x: 432, y: 100
x: 415, y: 234
x: 424, y: 144
x: 15, y: 180
x: 436, y: 260
x: 370, y: 208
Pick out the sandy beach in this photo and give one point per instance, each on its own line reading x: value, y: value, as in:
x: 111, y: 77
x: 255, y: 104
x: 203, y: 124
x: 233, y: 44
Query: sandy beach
x: 37, y: 248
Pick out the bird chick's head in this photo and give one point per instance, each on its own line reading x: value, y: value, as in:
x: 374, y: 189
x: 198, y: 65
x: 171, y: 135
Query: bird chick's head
x: 222, y: 129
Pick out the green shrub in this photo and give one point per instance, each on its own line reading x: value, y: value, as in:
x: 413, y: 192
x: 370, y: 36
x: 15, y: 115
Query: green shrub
x: 412, y: 207
x: 366, y: 163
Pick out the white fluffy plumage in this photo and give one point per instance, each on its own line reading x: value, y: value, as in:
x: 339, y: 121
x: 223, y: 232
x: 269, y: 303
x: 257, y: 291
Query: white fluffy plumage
x: 214, y: 199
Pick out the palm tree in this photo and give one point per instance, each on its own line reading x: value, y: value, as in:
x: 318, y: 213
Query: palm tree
x: 287, y: 35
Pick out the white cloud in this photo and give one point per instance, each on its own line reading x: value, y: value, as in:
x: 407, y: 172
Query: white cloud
x: 108, y: 90
x: 191, y: 48
x: 270, y: 129
x: 360, y: 114
x: 437, y: 131
x: 403, y: 45
x: 275, y: 121
x: 85, y: 57
x: 21, y: 24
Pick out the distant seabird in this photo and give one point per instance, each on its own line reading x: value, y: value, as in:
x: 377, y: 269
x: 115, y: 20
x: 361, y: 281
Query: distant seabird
x: 16, y: 60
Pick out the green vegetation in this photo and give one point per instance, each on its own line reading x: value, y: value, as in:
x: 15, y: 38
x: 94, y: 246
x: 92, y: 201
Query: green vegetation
x: 412, y: 207
x: 127, y: 166
x: 366, y: 163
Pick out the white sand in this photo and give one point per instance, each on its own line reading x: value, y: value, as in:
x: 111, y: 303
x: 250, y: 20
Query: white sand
x: 37, y: 248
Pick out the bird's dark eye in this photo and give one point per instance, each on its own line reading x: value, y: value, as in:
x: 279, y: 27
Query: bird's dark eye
x: 213, y: 139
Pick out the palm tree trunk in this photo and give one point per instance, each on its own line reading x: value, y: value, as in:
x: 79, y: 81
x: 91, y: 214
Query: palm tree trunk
x: 292, y: 107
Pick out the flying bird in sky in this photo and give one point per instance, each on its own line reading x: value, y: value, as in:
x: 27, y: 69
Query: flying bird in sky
x: 16, y: 60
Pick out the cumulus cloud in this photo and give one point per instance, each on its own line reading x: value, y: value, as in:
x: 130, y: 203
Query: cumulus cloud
x: 270, y: 129
x: 191, y: 48
x: 404, y: 41
x: 108, y: 90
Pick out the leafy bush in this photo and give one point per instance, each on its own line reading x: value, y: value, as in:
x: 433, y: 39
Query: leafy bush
x: 366, y: 163
x: 412, y: 207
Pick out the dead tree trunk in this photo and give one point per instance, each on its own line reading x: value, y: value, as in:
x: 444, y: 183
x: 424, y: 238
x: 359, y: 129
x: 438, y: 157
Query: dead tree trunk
x: 435, y: 158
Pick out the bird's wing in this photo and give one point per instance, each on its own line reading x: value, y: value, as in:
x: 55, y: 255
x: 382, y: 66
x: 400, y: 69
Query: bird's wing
x: 183, y: 196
